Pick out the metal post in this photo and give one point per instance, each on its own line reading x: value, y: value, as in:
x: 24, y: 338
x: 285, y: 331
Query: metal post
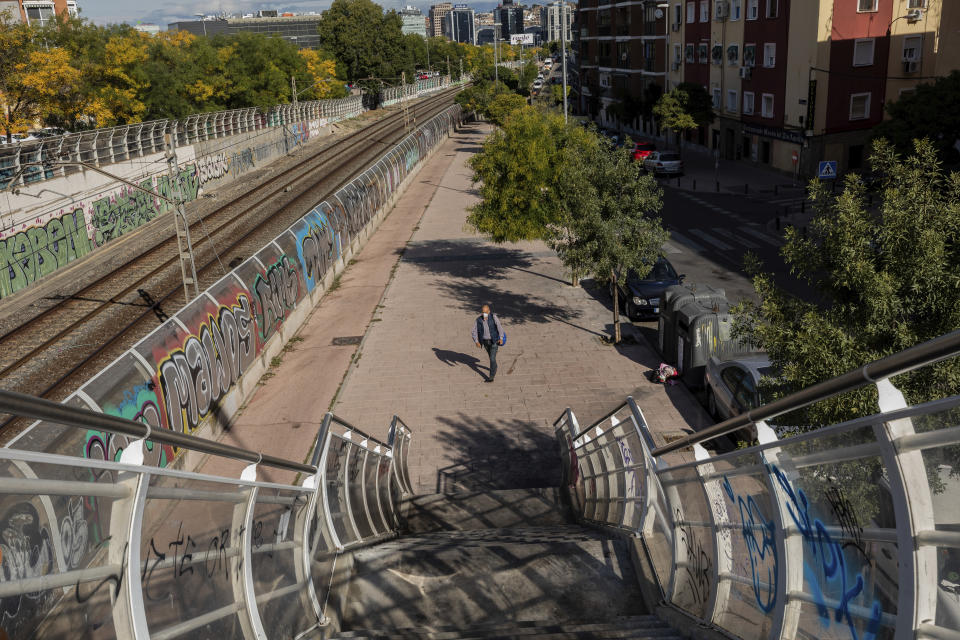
x: 563, y: 56
x: 293, y: 91
x: 496, y: 37
x: 184, y: 245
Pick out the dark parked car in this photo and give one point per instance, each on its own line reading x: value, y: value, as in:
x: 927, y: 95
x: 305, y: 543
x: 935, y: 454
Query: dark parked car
x: 640, y: 297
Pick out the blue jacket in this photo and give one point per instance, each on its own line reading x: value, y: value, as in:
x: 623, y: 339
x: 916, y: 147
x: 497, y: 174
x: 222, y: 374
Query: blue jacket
x: 493, y: 327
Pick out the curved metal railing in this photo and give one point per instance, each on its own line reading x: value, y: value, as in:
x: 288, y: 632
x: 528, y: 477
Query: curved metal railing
x: 123, y: 549
x: 849, y: 532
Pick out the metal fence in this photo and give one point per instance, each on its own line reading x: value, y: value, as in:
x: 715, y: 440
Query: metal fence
x: 124, y: 550
x: 848, y: 532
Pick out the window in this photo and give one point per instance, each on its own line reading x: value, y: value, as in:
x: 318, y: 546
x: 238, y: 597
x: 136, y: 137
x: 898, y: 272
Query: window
x: 691, y: 12
x: 605, y: 80
x: 703, y: 56
x: 732, y: 100
x: 859, y: 106
x: 733, y: 54
x: 863, y: 52
x: 866, y: 5
x: 716, y: 54
x: 735, y: 8
x: 753, y: 9
x: 770, y: 54
x: 748, y: 103
x: 912, y: 48
x: 917, y: 4
x: 749, y: 55
x: 678, y: 14
x: 677, y: 55
x: 704, y: 10
x: 773, y: 8
x: 689, y: 53
x: 766, y: 105
x: 716, y: 97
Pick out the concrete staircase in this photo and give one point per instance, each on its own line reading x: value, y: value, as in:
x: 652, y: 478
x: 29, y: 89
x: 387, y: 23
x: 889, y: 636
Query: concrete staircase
x: 496, y: 564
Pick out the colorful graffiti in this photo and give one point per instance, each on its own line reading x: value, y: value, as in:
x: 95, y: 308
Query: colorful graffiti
x: 140, y: 404
x: 210, y: 362
x: 762, y: 552
x: 316, y: 248
x: 277, y: 292
x: 35, y: 252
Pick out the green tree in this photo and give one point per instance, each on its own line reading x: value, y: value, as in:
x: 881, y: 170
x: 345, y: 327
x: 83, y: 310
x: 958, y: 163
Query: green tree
x: 698, y: 103
x: 885, y: 280
x: 365, y: 40
x: 929, y: 112
x: 503, y: 106
x: 672, y: 111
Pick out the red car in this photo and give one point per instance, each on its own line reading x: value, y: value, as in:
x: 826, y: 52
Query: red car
x: 642, y: 149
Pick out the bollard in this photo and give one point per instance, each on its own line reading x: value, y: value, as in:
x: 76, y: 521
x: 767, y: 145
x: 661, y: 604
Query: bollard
x: 678, y: 182
x: 694, y: 184
x: 778, y: 223
x: 718, y: 186
x: 776, y: 189
x: 746, y: 189
x: 803, y: 206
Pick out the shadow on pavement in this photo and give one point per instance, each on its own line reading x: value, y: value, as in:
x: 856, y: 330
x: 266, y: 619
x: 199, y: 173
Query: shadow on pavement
x: 453, y: 358
x: 496, y: 454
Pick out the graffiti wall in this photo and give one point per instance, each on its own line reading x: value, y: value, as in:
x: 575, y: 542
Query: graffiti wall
x: 46, y: 230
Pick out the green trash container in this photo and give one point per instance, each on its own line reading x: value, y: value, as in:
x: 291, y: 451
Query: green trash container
x: 674, y: 298
x: 704, y: 330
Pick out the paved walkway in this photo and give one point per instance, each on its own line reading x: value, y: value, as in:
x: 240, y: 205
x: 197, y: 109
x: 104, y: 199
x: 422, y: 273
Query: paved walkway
x: 417, y: 358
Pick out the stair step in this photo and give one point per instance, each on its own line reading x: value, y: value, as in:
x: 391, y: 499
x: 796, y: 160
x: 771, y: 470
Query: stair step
x: 498, y: 509
x: 652, y: 634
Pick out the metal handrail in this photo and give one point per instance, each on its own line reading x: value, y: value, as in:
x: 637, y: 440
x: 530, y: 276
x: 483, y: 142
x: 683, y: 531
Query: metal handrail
x: 318, y: 443
x: 921, y: 355
x: 78, y: 418
x: 344, y: 423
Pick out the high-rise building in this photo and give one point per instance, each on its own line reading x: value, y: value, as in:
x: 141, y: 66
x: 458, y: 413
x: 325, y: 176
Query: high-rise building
x: 38, y: 12
x: 554, y: 16
x: 510, y: 17
x: 461, y: 24
x: 412, y: 21
x: 147, y: 27
x: 301, y: 30
x: 438, y: 19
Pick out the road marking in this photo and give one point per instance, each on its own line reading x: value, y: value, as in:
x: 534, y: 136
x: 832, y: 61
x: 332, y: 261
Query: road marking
x: 706, y: 237
x: 669, y: 248
x: 684, y: 240
x: 726, y: 233
x: 759, y: 235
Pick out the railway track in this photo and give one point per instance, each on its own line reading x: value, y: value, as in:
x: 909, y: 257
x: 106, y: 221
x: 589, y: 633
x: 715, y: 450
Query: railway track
x: 76, y: 335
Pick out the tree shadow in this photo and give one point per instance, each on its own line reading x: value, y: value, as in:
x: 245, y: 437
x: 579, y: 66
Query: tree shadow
x: 496, y: 454
x: 453, y: 358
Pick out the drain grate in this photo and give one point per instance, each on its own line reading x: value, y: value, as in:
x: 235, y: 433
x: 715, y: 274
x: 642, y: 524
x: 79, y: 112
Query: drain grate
x: 343, y: 341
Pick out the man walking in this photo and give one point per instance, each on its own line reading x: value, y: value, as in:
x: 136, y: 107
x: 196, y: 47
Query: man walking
x: 488, y: 334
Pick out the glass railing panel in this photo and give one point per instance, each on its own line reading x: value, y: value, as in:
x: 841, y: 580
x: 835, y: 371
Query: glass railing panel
x: 658, y: 535
x: 191, y: 554
x: 385, y: 490
x: 274, y: 552
x: 45, y: 535
x: 336, y: 490
x: 745, y: 504
x: 358, y: 456
x: 693, y: 541
x: 370, y: 491
x: 631, y: 451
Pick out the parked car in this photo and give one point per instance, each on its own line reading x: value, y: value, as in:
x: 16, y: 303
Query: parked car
x: 537, y: 84
x: 49, y: 132
x: 733, y: 385
x: 22, y: 137
x: 663, y: 163
x: 640, y: 297
x: 643, y: 149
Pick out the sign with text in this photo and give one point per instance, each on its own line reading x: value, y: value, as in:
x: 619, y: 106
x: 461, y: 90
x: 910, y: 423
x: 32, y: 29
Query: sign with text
x: 521, y: 38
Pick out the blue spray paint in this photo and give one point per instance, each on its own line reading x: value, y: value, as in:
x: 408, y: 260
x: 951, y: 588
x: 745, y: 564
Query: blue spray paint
x: 762, y: 552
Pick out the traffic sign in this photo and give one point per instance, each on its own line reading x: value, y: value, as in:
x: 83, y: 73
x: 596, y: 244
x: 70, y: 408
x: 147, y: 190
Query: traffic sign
x: 795, y: 157
x: 827, y: 170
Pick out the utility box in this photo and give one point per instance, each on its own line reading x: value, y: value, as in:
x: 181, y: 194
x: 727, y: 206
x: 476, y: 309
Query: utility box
x: 674, y: 298
x: 704, y: 330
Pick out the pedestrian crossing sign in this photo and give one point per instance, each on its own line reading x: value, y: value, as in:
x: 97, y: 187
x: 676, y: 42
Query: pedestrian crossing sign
x: 827, y: 170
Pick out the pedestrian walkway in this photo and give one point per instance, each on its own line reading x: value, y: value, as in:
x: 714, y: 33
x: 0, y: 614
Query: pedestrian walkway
x: 417, y: 358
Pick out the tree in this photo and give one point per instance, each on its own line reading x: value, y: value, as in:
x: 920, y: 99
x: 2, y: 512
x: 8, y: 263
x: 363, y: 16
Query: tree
x: 698, y: 104
x: 367, y: 41
x: 322, y: 73
x: 503, y: 106
x: 929, y: 112
x: 672, y: 112
x: 885, y: 281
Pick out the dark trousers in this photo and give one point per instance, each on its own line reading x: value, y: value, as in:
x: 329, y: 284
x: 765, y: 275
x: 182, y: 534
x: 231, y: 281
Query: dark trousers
x: 491, y: 348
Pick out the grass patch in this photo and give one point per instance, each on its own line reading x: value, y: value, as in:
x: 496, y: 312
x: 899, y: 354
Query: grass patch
x: 335, y: 284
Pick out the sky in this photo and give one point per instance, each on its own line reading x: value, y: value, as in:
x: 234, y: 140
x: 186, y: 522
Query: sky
x: 167, y: 11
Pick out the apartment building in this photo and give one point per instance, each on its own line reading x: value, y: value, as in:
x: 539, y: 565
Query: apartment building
x: 795, y: 82
x: 438, y: 19
x: 622, y: 52
x: 461, y: 24
x: 38, y: 12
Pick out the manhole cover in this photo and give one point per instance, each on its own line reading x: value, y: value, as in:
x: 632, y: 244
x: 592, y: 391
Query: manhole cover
x: 342, y: 341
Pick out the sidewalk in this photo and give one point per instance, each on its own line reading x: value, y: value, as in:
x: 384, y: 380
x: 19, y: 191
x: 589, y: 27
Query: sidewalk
x: 417, y: 358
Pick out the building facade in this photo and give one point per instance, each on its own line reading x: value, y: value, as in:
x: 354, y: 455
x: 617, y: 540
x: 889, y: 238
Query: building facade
x: 510, y: 18
x: 461, y: 24
x: 438, y: 19
x: 300, y: 30
x: 412, y: 21
x: 38, y: 12
x: 555, y: 16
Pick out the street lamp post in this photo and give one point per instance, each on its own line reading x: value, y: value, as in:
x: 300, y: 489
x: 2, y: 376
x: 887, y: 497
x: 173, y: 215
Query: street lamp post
x: 563, y: 55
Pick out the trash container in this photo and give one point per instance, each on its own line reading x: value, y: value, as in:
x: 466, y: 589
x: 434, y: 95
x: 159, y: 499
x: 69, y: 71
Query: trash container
x: 674, y: 298
x: 704, y: 330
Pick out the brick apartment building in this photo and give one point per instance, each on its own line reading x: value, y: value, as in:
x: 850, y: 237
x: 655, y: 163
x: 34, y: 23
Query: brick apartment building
x: 793, y: 82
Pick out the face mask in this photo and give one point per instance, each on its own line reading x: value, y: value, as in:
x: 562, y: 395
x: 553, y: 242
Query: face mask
x: 485, y: 315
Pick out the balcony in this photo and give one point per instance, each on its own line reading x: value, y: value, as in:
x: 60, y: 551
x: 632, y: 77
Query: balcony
x: 605, y: 61
x: 623, y: 29
x: 603, y: 30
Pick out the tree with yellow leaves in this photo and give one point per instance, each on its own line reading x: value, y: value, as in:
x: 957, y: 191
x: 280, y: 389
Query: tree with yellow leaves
x: 323, y: 74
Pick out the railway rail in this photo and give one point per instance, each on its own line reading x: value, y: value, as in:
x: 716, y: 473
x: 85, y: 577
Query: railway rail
x: 75, y: 335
